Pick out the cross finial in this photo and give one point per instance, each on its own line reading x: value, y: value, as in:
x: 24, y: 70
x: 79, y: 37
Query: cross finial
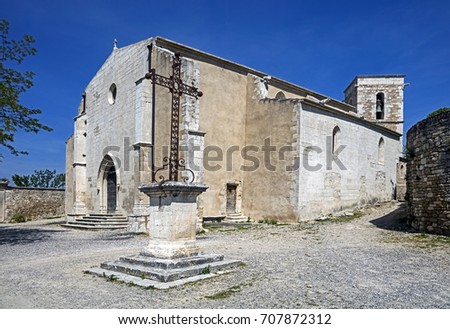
x: 115, y: 43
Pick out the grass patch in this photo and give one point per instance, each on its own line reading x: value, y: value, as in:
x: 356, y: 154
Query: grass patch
x: 112, y: 278
x: 344, y: 218
x: 230, y: 291
x: 227, y: 228
x: 242, y: 227
x: 421, y: 240
x: 18, y: 218
x: 206, y: 270
x: 225, y: 293
x: 271, y: 221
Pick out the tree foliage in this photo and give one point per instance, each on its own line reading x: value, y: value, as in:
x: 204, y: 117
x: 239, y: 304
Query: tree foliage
x: 41, y: 178
x: 13, y: 83
x: 439, y: 111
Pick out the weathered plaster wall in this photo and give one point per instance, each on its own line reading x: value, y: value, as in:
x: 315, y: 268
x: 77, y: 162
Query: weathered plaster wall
x: 222, y: 117
x: 270, y: 176
x: 364, y: 178
x: 428, y: 175
x: 24, y: 204
x: 116, y: 128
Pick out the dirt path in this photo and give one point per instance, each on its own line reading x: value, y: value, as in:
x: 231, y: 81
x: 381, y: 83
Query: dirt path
x: 366, y: 262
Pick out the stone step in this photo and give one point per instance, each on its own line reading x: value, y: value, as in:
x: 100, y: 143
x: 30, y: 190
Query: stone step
x: 99, y: 225
x: 145, y: 283
x: 103, y: 215
x: 168, y: 264
x: 161, y: 275
x: 213, y: 219
x: 103, y: 218
x: 99, y: 221
x: 94, y: 227
x: 236, y: 218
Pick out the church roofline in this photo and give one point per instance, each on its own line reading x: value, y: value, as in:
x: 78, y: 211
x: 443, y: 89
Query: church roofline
x: 350, y: 116
x: 212, y: 59
x: 332, y: 105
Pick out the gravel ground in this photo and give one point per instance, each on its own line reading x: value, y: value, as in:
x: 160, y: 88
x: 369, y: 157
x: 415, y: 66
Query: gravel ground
x: 367, y: 262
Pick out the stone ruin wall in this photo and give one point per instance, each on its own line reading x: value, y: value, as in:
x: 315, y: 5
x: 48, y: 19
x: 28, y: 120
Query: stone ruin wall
x: 428, y: 175
x: 18, y: 204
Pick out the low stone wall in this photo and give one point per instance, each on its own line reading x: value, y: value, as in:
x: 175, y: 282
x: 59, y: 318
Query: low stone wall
x: 428, y: 175
x: 19, y: 204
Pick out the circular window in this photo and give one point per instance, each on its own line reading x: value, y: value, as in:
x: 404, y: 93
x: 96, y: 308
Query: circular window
x: 112, y: 94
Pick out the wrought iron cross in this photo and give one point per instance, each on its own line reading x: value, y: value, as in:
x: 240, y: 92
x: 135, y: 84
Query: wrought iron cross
x: 177, y: 88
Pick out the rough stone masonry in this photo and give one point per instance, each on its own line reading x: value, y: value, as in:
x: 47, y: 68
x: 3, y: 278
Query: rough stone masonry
x: 428, y: 174
x: 25, y: 203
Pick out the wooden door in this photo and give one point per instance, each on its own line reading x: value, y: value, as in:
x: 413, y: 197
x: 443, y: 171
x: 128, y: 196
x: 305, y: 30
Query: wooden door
x: 111, y: 190
x: 231, y: 198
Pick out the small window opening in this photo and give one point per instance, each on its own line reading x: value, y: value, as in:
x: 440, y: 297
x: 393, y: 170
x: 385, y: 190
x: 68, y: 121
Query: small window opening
x: 112, y: 94
x: 381, y: 151
x: 280, y: 96
x: 336, y: 141
x: 379, y: 110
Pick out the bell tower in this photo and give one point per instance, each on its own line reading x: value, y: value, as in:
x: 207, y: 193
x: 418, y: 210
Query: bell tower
x: 379, y: 99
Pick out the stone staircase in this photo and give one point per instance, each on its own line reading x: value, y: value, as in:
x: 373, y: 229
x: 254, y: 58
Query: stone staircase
x: 147, y: 271
x: 99, y: 222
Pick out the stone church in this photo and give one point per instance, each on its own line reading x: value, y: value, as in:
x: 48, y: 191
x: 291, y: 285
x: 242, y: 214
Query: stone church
x: 266, y: 148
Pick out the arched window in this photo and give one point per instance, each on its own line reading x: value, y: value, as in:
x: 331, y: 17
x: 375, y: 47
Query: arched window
x: 336, y: 141
x: 381, y: 151
x: 280, y: 96
x: 83, y: 106
x: 112, y: 94
x: 379, y: 108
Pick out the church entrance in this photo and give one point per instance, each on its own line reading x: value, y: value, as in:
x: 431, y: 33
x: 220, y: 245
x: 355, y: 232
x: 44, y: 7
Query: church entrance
x: 107, y: 186
x: 231, y: 198
x: 111, y: 190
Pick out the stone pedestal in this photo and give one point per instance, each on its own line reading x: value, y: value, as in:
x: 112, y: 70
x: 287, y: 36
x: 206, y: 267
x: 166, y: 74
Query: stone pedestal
x: 173, y: 219
x: 172, y: 256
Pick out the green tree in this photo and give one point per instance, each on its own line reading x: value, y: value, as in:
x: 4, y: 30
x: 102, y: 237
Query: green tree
x: 13, y: 115
x: 41, y: 178
x: 439, y: 111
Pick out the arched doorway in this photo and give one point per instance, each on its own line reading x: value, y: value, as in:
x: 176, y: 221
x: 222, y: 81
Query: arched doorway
x: 108, y: 186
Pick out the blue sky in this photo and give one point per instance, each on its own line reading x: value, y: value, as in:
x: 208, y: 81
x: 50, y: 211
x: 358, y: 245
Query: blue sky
x: 320, y: 45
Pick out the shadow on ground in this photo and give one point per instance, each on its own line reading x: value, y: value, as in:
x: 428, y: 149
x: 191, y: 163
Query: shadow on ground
x: 19, y: 236
x: 394, y: 221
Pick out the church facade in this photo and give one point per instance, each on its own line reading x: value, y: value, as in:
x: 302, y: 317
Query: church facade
x: 266, y: 148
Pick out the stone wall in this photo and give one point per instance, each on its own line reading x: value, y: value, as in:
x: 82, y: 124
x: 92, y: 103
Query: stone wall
x: 362, y: 94
x: 19, y: 204
x: 365, y: 174
x: 428, y: 175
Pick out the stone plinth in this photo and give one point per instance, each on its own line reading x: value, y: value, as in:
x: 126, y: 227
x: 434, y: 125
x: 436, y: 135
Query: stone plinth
x: 172, y: 256
x: 173, y: 219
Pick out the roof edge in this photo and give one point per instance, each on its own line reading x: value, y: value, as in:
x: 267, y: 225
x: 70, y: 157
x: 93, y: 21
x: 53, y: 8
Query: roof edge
x: 201, y: 55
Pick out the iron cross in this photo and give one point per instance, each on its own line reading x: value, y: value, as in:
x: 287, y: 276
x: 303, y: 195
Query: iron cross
x: 177, y: 87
